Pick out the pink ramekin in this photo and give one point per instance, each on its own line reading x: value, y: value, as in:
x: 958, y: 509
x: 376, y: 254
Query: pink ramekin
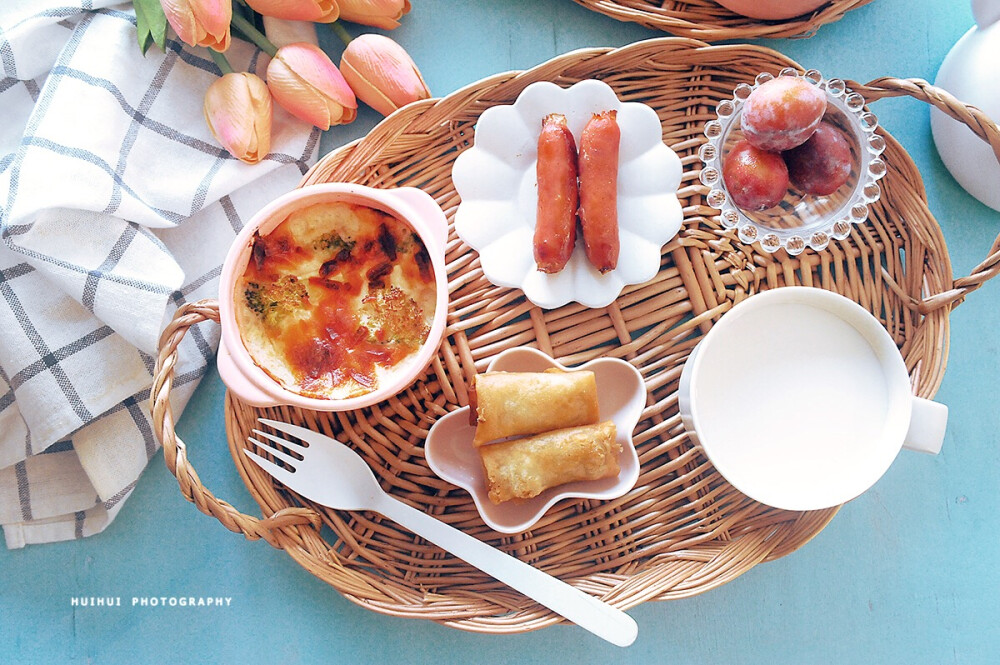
x: 236, y: 367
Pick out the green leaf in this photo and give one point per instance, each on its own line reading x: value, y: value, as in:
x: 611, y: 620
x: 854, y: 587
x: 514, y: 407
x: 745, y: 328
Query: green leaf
x: 142, y: 30
x: 145, y: 39
x: 151, y: 24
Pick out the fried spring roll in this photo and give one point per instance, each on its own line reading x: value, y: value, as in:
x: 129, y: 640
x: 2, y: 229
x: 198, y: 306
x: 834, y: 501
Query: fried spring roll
x: 515, y: 403
x: 555, y: 222
x: 523, y: 468
x: 599, y: 189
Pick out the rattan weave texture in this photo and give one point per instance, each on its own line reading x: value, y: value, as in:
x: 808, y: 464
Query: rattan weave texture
x: 710, y: 21
x: 683, y: 529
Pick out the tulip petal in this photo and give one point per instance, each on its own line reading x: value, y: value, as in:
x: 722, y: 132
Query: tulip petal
x: 382, y: 74
x: 368, y: 92
x: 214, y: 16
x: 383, y: 14
x: 314, y: 66
x: 224, y: 104
x: 238, y: 113
x: 321, y: 11
x: 260, y: 98
x: 200, y: 22
x: 181, y: 19
x: 308, y: 85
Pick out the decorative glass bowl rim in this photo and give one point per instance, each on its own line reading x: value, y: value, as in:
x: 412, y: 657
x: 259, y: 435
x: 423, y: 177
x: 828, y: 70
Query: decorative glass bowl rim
x: 836, y: 225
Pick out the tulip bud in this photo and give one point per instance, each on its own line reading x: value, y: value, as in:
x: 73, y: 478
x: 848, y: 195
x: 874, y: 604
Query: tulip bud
x: 321, y: 11
x: 376, y: 13
x: 308, y: 85
x: 238, y: 112
x: 200, y: 22
x: 381, y: 73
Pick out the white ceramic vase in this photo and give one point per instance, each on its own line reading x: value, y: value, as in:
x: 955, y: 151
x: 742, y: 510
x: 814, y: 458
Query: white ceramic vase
x: 970, y: 72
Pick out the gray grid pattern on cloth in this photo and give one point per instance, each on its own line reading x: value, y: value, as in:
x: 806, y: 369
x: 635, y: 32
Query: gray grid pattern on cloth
x: 120, y: 207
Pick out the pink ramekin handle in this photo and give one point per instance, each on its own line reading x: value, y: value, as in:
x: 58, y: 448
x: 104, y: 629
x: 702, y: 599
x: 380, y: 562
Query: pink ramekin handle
x: 427, y: 208
x: 238, y: 383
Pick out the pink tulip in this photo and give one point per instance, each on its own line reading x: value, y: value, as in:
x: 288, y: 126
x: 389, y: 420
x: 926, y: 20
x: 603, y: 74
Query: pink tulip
x: 238, y: 112
x: 382, y: 74
x: 321, y: 11
x: 376, y: 13
x: 200, y: 22
x: 309, y: 86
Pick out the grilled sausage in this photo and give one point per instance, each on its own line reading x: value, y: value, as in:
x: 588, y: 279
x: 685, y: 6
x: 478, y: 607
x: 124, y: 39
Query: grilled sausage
x: 555, y: 223
x: 599, y: 189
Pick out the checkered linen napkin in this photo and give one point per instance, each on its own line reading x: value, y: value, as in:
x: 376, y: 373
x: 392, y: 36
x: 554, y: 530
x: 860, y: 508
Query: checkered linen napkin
x: 119, y: 208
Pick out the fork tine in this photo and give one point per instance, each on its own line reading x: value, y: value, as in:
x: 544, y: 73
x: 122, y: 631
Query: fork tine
x: 307, y: 435
x: 294, y: 446
x: 270, y: 467
x: 283, y: 456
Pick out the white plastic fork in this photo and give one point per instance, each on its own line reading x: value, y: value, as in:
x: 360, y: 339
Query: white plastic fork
x: 332, y: 474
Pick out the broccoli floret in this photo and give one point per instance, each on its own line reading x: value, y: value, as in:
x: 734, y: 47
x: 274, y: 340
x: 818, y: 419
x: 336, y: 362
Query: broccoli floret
x: 273, y: 302
x: 334, y: 242
x: 408, y: 241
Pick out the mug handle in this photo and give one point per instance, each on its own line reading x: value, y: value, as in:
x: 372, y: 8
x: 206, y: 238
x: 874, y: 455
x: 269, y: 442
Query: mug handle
x: 927, y: 424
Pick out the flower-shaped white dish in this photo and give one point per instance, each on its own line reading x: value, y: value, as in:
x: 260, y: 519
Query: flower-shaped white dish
x: 496, y: 180
x: 800, y: 220
x: 450, y: 453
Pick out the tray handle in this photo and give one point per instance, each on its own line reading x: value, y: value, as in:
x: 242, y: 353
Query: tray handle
x: 175, y: 452
x: 984, y: 128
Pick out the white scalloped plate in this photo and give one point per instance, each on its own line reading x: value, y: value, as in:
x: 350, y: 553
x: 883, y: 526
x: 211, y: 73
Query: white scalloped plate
x: 496, y: 180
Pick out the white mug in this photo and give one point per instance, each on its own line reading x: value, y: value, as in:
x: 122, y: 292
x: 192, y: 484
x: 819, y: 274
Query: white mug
x: 801, y: 399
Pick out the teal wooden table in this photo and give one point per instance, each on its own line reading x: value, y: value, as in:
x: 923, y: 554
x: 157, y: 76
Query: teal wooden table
x: 907, y: 573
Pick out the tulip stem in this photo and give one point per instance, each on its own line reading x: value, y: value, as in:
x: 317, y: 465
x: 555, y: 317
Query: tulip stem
x: 341, y: 32
x: 253, y: 34
x: 221, y: 61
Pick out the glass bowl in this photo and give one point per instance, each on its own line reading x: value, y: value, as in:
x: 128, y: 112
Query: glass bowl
x: 800, y: 220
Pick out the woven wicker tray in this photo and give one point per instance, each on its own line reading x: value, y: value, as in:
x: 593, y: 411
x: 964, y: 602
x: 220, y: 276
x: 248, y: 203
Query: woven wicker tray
x: 708, y: 20
x: 682, y: 530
